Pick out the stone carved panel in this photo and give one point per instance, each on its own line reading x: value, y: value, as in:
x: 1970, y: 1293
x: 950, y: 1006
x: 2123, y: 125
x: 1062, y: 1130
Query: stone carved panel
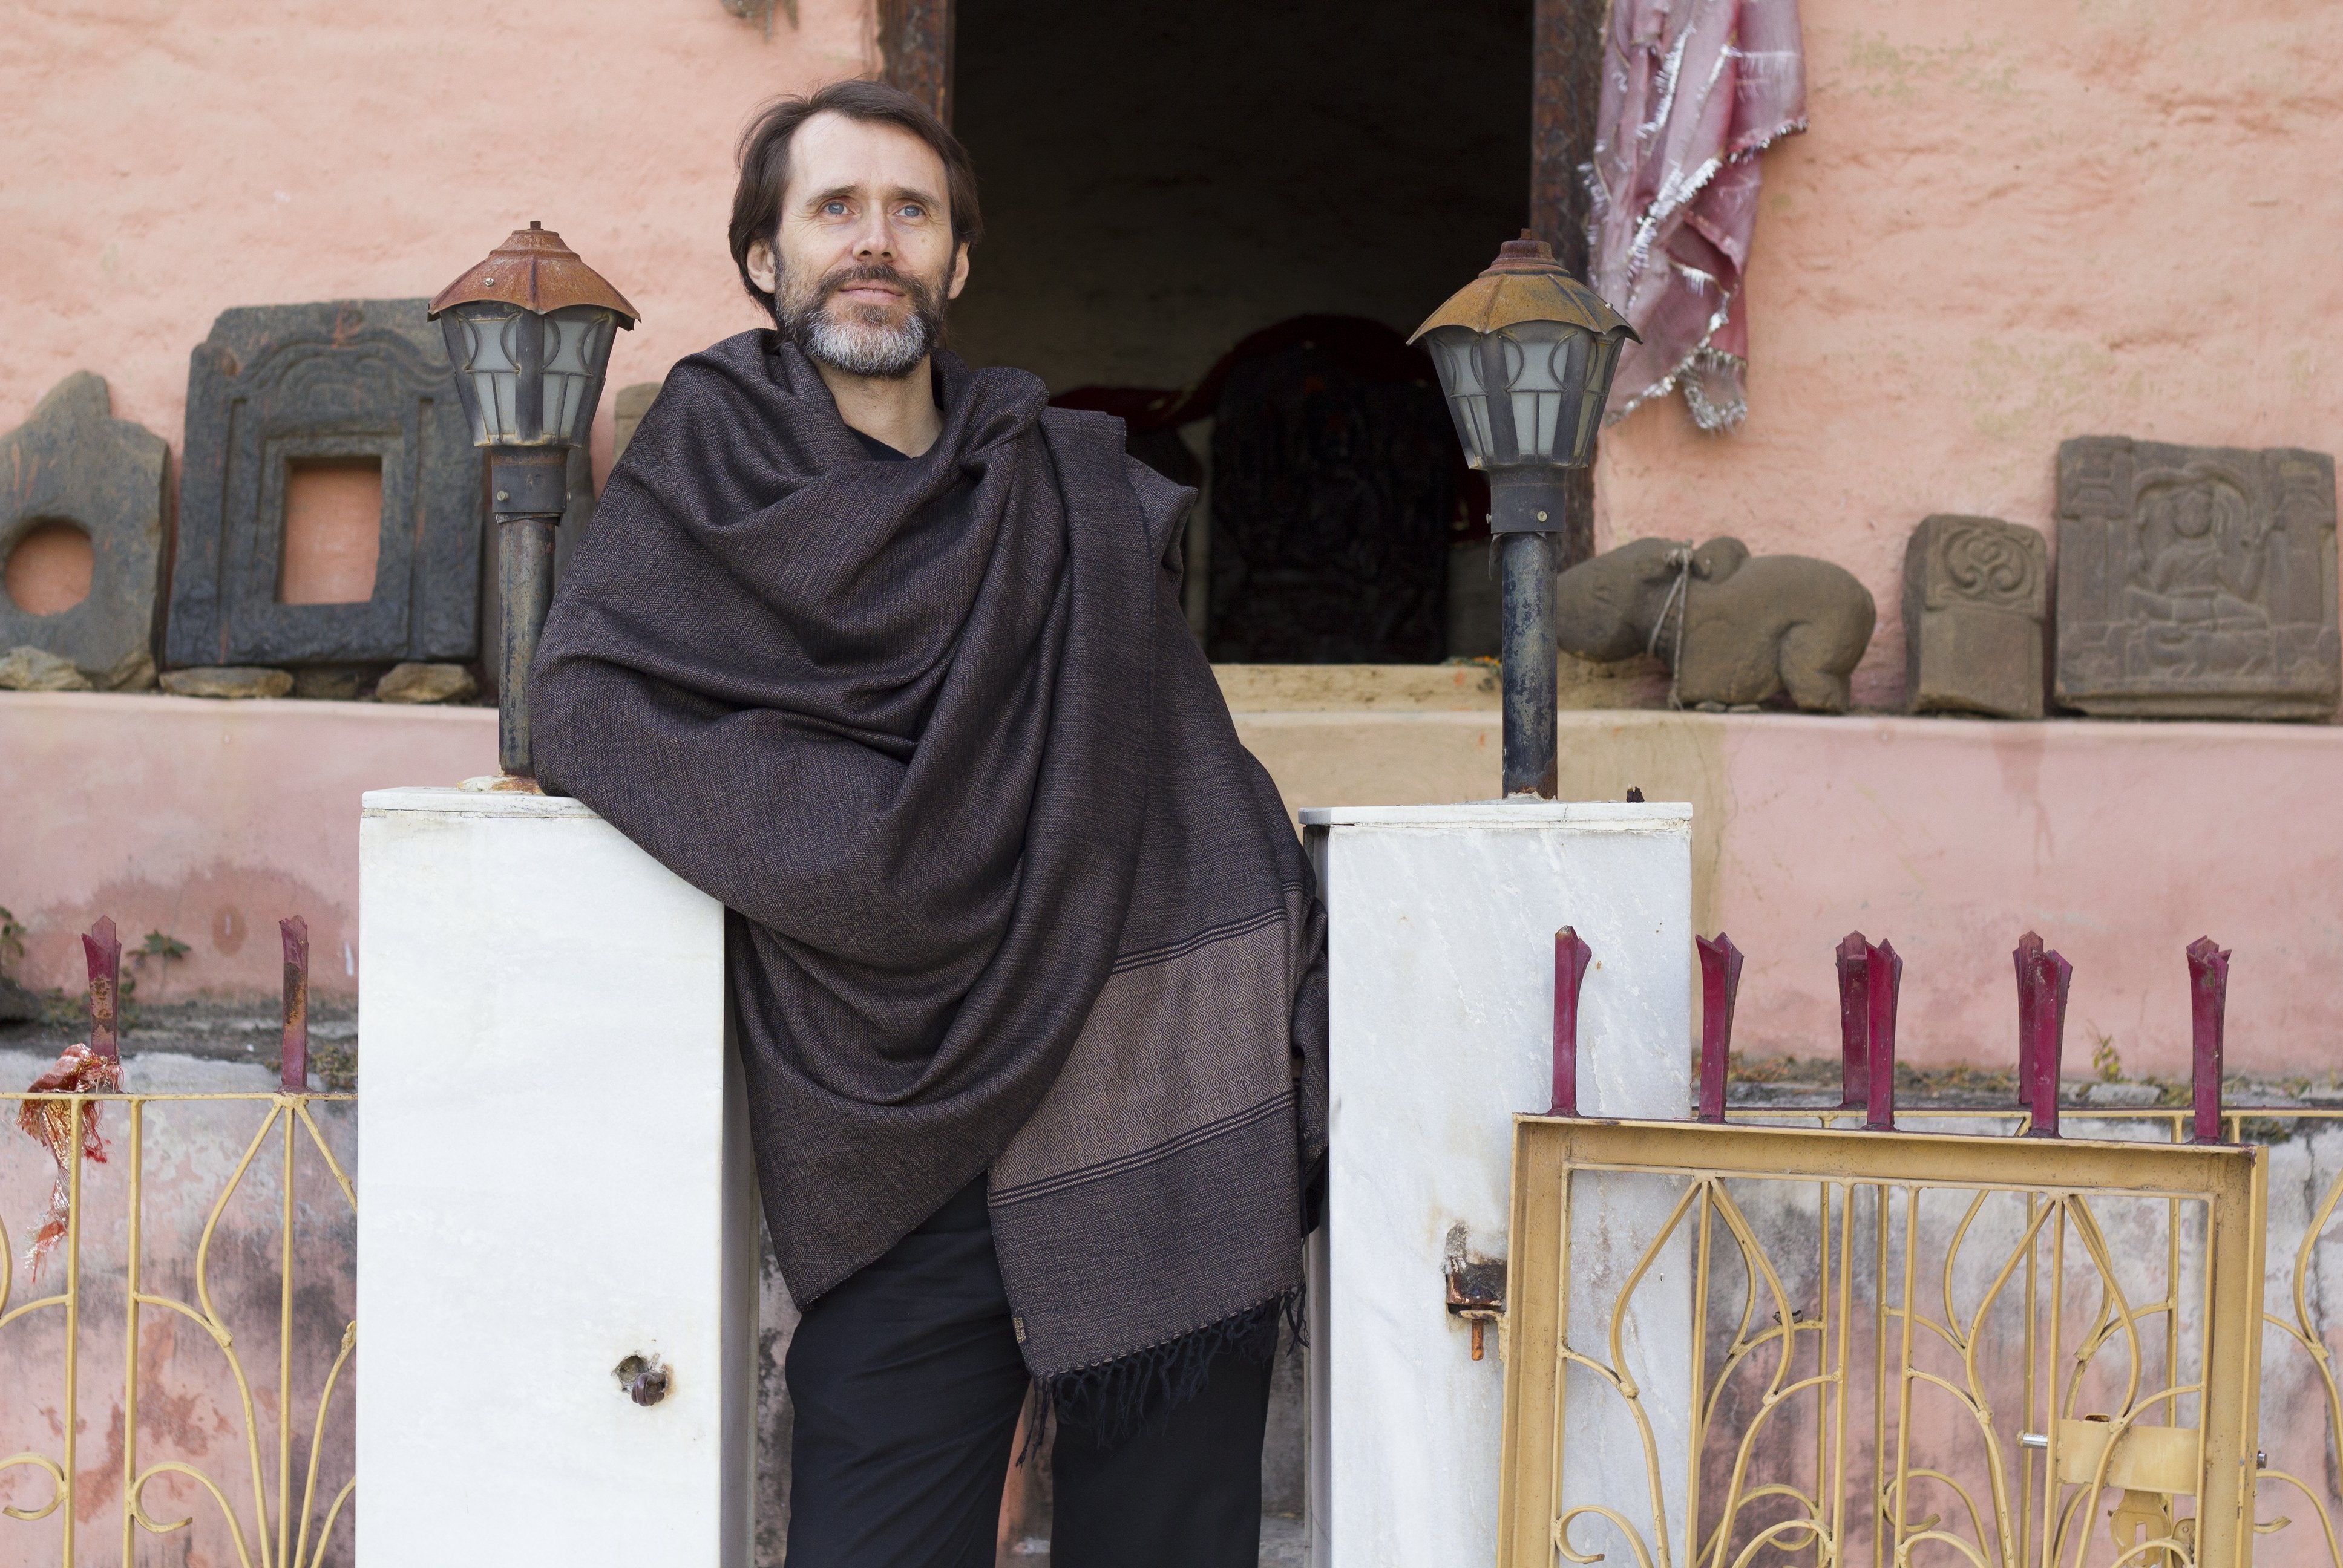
x: 1975, y: 593
x: 2197, y: 581
x: 73, y: 462
x: 275, y: 386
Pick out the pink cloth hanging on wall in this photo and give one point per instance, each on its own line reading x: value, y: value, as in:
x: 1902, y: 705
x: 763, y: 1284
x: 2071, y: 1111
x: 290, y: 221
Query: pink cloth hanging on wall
x: 1692, y: 91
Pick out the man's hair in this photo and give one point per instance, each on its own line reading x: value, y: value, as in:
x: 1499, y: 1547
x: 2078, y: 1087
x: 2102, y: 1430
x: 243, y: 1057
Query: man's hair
x: 765, y: 163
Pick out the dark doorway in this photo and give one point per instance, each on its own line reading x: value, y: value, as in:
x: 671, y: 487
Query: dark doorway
x: 1163, y: 185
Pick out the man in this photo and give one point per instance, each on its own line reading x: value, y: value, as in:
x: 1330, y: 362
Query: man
x: 1027, y: 965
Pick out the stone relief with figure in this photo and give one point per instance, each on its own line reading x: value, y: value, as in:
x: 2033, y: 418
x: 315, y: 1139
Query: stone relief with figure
x: 2197, y: 581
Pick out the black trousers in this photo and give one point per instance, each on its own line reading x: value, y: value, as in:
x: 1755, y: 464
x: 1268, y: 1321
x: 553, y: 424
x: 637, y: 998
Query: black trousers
x: 907, y: 1385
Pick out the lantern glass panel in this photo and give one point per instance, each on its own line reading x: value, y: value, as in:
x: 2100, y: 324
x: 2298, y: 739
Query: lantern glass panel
x: 483, y: 341
x: 1455, y: 354
x: 1603, y: 358
x: 1533, y: 384
x: 577, y: 350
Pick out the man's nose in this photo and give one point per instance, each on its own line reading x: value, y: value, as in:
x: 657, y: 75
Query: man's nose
x: 876, y: 241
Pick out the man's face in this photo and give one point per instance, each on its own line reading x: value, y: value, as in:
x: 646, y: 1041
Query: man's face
x: 864, y: 260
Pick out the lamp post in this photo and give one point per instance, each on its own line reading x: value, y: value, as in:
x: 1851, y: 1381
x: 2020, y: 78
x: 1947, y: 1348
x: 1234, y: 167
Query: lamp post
x: 529, y: 331
x: 1525, y: 354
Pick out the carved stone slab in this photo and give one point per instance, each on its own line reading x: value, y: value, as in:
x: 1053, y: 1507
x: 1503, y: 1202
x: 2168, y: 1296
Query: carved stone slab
x: 1975, y: 593
x: 2197, y: 582
x: 277, y: 386
x: 73, y: 462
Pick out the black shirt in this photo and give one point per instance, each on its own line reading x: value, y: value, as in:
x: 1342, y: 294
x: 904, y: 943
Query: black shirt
x: 877, y: 448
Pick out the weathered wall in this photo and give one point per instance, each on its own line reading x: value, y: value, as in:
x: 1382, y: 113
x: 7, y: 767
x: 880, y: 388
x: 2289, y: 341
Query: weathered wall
x: 207, y: 822
x: 2119, y: 844
x: 204, y: 1404
x: 2010, y: 224
x: 170, y: 159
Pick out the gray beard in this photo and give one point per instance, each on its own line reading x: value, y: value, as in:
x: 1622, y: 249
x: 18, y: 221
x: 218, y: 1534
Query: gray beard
x: 857, y: 345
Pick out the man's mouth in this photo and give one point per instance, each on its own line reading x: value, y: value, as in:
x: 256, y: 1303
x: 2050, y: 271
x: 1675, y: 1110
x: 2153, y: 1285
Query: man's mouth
x: 869, y: 291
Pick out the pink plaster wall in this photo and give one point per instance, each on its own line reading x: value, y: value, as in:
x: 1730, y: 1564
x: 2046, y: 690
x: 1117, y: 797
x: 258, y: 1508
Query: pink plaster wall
x: 166, y: 159
x: 2012, y: 223
x: 208, y: 822
x: 2117, y: 842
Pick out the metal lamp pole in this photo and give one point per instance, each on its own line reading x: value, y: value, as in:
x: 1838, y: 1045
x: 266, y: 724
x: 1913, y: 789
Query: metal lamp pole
x: 530, y: 332
x: 1525, y: 354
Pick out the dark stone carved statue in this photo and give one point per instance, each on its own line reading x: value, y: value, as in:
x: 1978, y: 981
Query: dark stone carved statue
x: 1735, y: 629
x: 277, y: 387
x: 1331, y: 497
x: 2197, y: 581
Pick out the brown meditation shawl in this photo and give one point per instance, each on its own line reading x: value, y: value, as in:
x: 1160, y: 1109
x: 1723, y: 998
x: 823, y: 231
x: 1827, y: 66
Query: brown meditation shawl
x: 1005, y: 893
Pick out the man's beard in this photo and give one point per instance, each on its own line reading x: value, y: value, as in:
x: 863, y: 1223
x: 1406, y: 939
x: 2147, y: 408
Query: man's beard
x: 856, y: 338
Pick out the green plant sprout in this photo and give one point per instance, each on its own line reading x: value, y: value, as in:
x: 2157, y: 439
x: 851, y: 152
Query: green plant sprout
x: 2104, y: 1062
x: 159, y: 946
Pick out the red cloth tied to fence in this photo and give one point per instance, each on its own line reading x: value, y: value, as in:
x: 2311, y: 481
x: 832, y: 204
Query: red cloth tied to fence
x: 1692, y: 91
x: 50, y: 1123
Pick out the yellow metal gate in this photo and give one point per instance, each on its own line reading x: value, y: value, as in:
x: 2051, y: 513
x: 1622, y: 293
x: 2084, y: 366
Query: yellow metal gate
x: 1981, y: 1353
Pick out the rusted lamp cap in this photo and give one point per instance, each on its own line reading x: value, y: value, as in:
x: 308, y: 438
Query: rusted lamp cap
x: 534, y: 270
x: 1527, y: 283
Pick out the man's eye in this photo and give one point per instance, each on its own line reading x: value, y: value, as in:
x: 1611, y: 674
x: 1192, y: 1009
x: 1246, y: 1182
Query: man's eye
x: 833, y: 209
x: 910, y: 209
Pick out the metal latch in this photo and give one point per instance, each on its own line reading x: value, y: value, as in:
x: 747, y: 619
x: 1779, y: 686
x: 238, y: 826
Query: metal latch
x: 1476, y: 1292
x: 2152, y: 1464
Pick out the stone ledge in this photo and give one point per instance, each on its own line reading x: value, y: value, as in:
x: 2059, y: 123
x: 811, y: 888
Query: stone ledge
x: 439, y: 800
x: 278, y: 710
x: 1429, y: 688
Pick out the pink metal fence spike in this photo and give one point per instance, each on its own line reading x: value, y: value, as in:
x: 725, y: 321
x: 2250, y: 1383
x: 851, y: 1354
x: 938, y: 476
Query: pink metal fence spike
x: 2025, y: 956
x: 1570, y: 959
x: 1884, y: 976
x: 293, y: 1075
x: 2042, y: 1026
x: 2209, y: 998
x: 1720, y: 983
x: 103, y: 950
x: 1853, y: 1023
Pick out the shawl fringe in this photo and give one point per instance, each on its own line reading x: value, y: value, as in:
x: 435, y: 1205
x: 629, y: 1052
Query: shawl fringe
x: 1111, y: 1400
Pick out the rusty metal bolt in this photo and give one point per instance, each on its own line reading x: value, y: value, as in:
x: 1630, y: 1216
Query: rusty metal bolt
x: 644, y: 1378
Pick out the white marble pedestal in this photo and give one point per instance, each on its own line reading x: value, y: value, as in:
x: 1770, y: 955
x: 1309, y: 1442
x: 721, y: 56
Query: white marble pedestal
x: 1441, y: 924
x: 553, y: 1176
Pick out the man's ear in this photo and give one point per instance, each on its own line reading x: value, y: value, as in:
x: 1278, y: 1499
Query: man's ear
x: 960, y: 272
x: 763, y: 270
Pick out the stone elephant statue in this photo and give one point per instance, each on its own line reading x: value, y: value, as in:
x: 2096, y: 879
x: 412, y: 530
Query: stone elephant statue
x: 1735, y: 629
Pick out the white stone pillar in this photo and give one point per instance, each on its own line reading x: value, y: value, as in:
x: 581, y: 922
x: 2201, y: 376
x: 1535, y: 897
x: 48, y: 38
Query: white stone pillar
x: 1440, y: 924
x: 553, y: 1176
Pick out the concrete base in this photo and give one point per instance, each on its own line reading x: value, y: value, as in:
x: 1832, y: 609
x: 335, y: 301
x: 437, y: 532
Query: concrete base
x: 1441, y: 925
x: 555, y: 1179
